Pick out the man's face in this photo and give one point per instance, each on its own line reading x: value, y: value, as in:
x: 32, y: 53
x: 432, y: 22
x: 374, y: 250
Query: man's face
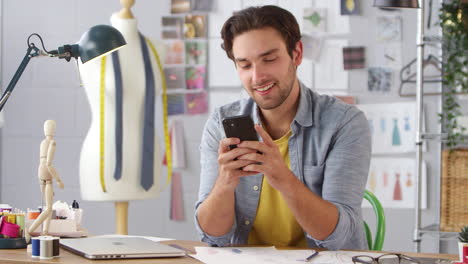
x: 264, y: 66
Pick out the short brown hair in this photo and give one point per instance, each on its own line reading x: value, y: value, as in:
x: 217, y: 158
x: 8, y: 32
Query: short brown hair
x: 257, y: 18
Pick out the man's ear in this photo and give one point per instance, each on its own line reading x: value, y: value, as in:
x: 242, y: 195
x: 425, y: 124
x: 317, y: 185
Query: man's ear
x: 297, y: 53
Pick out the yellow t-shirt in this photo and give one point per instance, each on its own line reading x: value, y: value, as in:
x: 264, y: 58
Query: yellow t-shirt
x: 274, y: 223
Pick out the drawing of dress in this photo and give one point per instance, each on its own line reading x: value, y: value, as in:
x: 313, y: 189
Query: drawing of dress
x: 396, y: 134
x: 382, y: 125
x: 385, y: 179
x: 397, y: 195
x: 407, y: 124
x: 409, y: 181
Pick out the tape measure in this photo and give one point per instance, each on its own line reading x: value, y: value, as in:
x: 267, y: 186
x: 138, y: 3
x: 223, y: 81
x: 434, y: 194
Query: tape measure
x: 167, y: 142
x: 102, y: 125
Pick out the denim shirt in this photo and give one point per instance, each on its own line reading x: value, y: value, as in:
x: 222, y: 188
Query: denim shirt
x: 329, y: 150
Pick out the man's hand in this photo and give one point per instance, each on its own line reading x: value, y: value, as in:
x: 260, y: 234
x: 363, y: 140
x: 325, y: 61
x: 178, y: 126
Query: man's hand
x: 230, y: 166
x: 269, y: 161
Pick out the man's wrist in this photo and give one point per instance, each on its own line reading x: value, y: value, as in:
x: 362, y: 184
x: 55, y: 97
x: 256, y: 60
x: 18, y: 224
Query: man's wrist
x: 290, y: 185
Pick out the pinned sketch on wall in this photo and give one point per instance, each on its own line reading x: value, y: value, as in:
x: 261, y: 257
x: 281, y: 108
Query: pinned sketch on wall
x: 389, y: 28
x: 379, y: 79
x: 196, y: 103
x: 354, y: 58
x: 195, y: 52
x: 180, y: 6
x: 195, y: 77
x: 174, y: 52
x: 330, y: 67
x: 392, y: 181
x: 314, y: 20
x: 349, y: 7
x: 389, y: 55
x: 195, y: 26
x: 392, y: 126
x: 175, y: 77
x: 336, y: 23
x: 175, y: 104
x: 202, y: 5
x: 172, y: 27
x: 311, y: 45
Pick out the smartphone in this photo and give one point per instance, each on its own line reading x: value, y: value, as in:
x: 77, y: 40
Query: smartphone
x: 241, y: 127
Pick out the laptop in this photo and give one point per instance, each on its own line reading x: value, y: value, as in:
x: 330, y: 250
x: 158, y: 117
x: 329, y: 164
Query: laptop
x: 119, y: 248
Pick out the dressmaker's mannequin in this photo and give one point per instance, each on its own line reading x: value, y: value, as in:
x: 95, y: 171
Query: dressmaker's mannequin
x: 118, y: 177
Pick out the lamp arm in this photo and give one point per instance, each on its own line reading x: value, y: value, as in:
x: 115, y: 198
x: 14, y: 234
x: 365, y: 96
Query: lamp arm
x: 32, y: 51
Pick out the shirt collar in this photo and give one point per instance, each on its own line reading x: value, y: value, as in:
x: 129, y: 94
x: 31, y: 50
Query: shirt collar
x: 305, y: 112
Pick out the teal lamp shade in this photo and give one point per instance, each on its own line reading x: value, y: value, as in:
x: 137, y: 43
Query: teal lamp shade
x: 396, y: 3
x: 99, y: 40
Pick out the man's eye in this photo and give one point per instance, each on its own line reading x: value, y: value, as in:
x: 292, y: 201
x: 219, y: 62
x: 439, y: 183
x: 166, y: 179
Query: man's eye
x: 245, y: 66
x: 270, y: 59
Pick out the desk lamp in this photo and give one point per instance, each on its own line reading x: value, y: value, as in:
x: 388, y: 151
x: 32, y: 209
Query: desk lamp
x: 97, y: 41
x: 419, y: 102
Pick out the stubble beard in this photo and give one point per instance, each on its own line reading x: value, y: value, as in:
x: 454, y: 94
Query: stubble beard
x: 284, y: 91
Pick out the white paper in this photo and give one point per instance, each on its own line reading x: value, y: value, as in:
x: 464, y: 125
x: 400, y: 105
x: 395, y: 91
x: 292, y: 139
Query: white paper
x: 250, y: 255
x: 389, y: 28
x: 270, y: 255
x: 388, y: 55
x: 329, y: 71
x: 336, y: 23
x: 393, y: 126
x: 392, y: 180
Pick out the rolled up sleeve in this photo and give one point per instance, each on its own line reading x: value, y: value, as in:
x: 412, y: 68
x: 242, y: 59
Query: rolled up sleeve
x: 208, y: 174
x: 345, y: 176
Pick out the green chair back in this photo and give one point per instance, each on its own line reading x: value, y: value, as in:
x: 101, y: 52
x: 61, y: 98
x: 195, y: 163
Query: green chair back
x: 380, y: 217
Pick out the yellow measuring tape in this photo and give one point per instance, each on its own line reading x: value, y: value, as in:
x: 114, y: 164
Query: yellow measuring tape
x: 102, y: 105
x: 167, y: 142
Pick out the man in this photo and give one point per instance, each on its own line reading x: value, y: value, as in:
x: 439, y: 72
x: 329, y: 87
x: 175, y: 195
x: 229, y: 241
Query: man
x: 303, y: 183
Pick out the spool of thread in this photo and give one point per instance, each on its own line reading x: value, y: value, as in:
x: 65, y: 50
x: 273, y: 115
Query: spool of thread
x: 9, y: 229
x: 11, y: 218
x: 20, y: 222
x: 46, y: 247
x: 36, y: 245
x: 56, y: 247
x: 33, y: 214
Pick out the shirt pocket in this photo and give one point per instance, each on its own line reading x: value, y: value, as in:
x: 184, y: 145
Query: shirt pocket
x: 313, y: 178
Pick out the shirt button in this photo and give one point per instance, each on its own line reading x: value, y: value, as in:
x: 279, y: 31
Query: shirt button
x: 247, y: 222
x: 255, y: 188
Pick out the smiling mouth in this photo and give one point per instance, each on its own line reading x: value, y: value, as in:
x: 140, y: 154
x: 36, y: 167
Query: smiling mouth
x: 266, y: 88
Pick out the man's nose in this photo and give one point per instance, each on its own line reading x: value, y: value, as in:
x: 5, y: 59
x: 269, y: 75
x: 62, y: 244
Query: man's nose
x: 258, y: 74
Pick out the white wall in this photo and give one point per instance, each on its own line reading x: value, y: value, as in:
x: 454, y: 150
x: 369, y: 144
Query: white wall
x: 49, y: 89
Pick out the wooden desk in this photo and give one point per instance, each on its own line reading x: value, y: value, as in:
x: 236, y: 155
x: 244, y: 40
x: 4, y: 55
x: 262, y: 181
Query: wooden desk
x: 20, y: 256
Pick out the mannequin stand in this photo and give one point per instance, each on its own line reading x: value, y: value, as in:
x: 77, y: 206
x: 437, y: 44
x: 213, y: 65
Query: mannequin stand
x: 121, y: 218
